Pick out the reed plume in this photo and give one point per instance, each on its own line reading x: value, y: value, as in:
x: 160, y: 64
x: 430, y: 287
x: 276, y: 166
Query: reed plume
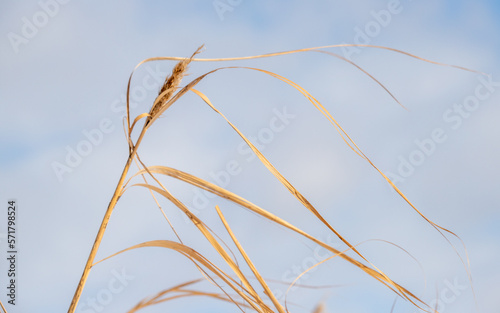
x: 171, y: 84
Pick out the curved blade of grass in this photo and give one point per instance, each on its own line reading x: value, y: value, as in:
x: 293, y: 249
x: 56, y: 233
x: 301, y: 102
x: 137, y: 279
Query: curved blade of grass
x: 267, y: 55
x: 137, y: 161
x: 191, y: 293
x: 285, y: 182
x: 155, y: 299
x: 347, y: 139
x: 200, y: 259
x: 293, y: 283
x: 195, y: 82
x: 250, y: 264
x: 205, y: 231
x: 277, y: 174
x: 159, y: 297
x: 364, y: 71
x: 273, y: 55
x: 350, y: 142
x: 3, y: 308
x: 137, y: 119
x: 232, y: 262
x: 223, y: 193
x: 163, y: 187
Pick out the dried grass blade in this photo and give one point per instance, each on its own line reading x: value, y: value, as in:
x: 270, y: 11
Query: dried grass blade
x: 189, y: 293
x: 364, y: 71
x: 223, y: 193
x: 293, y: 283
x: 153, y: 300
x: 272, y: 55
x: 281, y: 178
x: 165, y: 189
x: 3, y: 308
x: 159, y: 297
x: 250, y: 264
x: 267, y: 55
x: 356, y: 149
x: 137, y: 161
x: 212, y: 240
x: 350, y: 142
x: 137, y: 119
x: 194, y: 256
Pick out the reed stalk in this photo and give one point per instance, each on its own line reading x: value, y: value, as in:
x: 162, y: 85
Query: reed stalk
x: 165, y: 94
x: 104, y: 224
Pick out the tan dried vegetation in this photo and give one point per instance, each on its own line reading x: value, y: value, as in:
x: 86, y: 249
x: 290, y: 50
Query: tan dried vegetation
x: 239, y: 286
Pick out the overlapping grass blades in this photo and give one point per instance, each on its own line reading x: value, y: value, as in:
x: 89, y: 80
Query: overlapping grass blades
x: 241, y: 292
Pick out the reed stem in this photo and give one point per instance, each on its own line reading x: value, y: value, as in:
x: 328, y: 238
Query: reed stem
x: 104, y: 224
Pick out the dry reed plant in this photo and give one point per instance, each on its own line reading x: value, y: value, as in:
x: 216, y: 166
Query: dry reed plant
x: 240, y: 287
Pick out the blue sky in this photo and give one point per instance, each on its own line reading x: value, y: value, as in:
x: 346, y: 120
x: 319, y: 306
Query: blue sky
x: 62, y: 86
